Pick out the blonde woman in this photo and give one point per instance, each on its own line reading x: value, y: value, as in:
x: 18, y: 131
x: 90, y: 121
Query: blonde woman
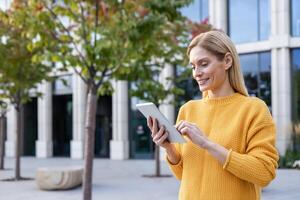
x: 230, y: 153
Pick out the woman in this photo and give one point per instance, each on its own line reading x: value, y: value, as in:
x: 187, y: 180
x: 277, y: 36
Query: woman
x: 230, y: 153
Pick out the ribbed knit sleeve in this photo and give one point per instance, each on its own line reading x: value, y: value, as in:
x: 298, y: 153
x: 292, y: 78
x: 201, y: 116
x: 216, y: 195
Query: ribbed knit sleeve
x: 177, y: 168
x: 259, y: 162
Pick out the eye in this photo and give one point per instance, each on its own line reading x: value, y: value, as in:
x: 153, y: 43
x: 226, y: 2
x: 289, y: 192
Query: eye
x: 204, y: 64
x: 193, y: 67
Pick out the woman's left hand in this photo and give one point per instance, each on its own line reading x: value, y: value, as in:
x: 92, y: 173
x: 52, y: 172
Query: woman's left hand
x: 193, y: 132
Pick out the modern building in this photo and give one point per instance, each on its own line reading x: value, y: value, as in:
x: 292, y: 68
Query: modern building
x: 267, y: 36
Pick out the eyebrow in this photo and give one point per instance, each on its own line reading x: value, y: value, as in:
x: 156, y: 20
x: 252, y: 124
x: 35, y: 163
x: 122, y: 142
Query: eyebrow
x: 198, y: 60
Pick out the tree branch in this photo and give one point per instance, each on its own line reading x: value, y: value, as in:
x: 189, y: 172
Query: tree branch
x: 80, y: 75
x: 96, y: 21
x: 68, y: 32
x: 98, y: 84
x: 117, y: 67
x: 83, y: 23
x: 77, y: 72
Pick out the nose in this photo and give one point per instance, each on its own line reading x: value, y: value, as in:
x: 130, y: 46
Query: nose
x: 198, y: 72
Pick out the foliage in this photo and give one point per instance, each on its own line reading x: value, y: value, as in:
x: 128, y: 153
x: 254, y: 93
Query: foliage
x: 101, y: 39
x: 19, y: 73
x: 129, y: 40
x: 288, y: 159
x: 3, y: 108
x: 154, y: 90
x: 293, y: 152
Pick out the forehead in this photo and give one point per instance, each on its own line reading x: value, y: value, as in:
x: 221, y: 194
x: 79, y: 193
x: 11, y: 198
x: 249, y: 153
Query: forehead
x: 198, y: 53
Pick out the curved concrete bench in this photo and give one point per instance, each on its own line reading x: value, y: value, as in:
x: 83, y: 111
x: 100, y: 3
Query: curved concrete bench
x: 59, y: 178
x: 296, y: 164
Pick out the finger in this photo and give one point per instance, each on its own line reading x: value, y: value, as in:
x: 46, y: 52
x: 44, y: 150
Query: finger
x: 155, y: 128
x: 182, y: 125
x: 185, y: 131
x: 176, y: 125
x: 187, y: 124
x: 163, y: 138
x: 149, y: 122
x: 159, y: 133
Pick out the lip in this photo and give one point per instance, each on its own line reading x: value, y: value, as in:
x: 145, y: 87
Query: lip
x: 202, y: 81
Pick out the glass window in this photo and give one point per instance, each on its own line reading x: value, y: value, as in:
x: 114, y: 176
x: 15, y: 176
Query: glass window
x: 256, y: 68
x: 203, y: 9
x: 264, y: 20
x: 295, y: 60
x: 295, y: 17
x: 249, y: 21
x: 249, y: 64
x: 265, y: 77
x: 196, y: 11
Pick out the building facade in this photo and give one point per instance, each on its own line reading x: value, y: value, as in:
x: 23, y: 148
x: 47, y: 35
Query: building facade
x: 267, y: 37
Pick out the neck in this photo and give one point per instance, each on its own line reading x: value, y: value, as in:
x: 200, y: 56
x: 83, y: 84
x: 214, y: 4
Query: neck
x: 224, y: 90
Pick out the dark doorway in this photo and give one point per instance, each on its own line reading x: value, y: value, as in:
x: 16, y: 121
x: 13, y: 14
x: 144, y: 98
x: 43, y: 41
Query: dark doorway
x: 29, y: 123
x: 103, y: 132
x: 62, y: 124
x: 141, y: 146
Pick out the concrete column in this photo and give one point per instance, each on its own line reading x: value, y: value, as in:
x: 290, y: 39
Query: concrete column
x: 166, y: 107
x: 11, y: 125
x: 281, y: 74
x: 79, y: 106
x: 280, y: 23
x: 217, y: 11
x: 119, y: 145
x: 44, y: 144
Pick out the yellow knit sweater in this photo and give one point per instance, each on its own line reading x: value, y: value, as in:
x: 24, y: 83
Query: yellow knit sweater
x: 245, y: 127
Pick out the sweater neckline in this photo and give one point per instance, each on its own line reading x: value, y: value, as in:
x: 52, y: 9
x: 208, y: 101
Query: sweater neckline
x: 222, y: 100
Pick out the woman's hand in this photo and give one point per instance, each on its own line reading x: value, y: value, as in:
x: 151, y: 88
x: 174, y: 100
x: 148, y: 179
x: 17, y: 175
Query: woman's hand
x: 193, y: 132
x: 159, y: 136
x: 197, y: 137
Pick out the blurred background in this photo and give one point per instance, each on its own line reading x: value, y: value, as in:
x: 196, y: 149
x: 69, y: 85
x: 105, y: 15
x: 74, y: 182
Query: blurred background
x: 267, y: 37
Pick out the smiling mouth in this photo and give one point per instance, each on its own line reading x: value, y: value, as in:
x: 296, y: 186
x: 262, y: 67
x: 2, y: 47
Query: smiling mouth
x: 203, y: 81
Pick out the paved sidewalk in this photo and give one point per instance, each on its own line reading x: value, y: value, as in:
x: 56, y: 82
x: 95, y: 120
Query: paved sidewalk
x: 123, y: 180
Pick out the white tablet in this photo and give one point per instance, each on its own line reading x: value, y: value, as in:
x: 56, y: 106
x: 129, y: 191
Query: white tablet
x: 149, y: 109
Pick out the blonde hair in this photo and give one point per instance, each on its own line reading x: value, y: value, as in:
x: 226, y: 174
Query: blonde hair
x: 218, y: 43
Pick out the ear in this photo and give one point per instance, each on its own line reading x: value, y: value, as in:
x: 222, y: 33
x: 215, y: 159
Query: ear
x: 228, y: 60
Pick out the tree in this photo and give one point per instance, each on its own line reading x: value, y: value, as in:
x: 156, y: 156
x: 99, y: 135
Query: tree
x: 151, y: 86
x: 156, y: 92
x: 19, y: 72
x: 103, y: 40
x: 3, y: 107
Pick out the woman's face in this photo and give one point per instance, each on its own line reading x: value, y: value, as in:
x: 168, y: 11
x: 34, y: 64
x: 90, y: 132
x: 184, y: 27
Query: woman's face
x: 208, y: 71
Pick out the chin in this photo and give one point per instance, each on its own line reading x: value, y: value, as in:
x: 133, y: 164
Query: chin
x: 203, y: 89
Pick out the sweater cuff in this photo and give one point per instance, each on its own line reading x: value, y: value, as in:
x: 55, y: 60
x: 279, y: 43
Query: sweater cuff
x: 171, y: 164
x: 227, y: 159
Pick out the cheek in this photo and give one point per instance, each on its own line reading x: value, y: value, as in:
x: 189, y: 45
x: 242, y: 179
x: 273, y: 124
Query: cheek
x: 220, y: 75
x: 215, y: 70
x: 210, y: 71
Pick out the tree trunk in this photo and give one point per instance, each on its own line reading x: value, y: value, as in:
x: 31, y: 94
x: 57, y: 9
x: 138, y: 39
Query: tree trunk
x: 157, y: 161
x: 2, y: 138
x: 17, y: 148
x: 90, y: 124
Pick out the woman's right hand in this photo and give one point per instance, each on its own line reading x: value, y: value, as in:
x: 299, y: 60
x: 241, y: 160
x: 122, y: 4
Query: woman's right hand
x: 159, y: 136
